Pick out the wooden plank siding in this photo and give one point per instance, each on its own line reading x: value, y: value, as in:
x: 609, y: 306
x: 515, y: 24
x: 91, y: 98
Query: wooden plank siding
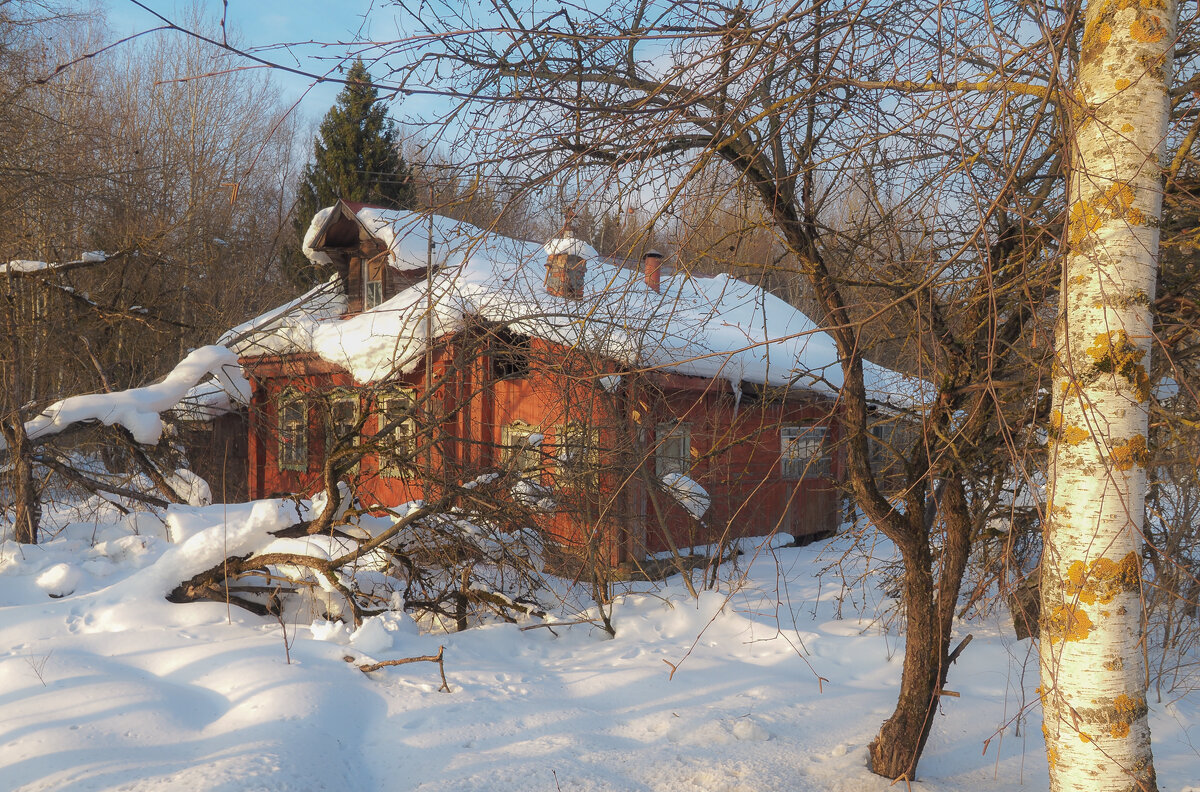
x: 735, y: 443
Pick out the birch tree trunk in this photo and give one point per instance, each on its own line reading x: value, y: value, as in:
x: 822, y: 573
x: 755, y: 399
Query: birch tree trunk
x: 1093, y: 674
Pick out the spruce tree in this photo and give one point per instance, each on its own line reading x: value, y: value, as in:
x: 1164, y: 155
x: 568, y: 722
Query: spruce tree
x: 356, y: 157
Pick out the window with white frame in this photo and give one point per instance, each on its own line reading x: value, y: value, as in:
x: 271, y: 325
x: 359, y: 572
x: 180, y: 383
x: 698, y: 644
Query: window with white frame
x: 802, y: 451
x: 522, y: 447
x: 672, y: 448
x: 292, y: 431
x: 397, y: 432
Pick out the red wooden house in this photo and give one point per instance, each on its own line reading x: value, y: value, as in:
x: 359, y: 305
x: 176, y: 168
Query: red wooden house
x: 649, y: 409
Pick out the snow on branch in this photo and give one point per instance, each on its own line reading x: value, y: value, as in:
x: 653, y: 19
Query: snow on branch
x: 25, y: 267
x: 689, y: 494
x: 138, y: 409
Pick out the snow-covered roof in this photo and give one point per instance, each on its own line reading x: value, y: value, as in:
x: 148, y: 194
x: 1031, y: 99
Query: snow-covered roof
x: 716, y: 327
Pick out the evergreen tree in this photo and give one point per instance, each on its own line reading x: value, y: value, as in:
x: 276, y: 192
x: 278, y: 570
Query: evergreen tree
x: 356, y: 157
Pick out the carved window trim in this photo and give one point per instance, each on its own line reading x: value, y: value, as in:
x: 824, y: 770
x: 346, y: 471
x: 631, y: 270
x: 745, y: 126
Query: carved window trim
x: 518, y: 452
x: 398, y: 419
x: 292, y: 431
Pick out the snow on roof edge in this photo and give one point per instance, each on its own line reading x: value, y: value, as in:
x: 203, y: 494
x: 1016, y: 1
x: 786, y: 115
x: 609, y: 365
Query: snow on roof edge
x: 717, y: 327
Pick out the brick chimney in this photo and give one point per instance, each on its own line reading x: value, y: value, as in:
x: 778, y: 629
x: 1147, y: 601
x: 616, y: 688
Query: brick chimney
x: 652, y: 268
x: 566, y: 263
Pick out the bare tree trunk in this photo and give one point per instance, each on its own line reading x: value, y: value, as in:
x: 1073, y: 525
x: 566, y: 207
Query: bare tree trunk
x: 22, y: 487
x: 27, y: 509
x: 929, y: 618
x: 901, y: 740
x: 1093, y: 675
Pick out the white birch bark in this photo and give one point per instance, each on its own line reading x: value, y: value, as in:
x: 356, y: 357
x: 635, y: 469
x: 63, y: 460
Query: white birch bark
x: 1093, y: 674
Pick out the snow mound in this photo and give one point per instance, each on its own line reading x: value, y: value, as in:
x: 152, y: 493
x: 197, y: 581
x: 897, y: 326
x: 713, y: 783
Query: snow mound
x: 193, y: 489
x: 757, y: 686
x: 60, y: 580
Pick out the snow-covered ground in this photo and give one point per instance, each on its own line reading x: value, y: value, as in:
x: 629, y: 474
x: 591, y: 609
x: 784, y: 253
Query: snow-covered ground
x: 778, y: 684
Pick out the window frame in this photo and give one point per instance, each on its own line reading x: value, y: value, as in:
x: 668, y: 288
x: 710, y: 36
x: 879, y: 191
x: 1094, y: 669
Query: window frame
x: 666, y: 433
x: 373, y: 270
x: 511, y: 356
x: 881, y: 443
x: 581, y: 467
x: 386, y: 455
x: 806, y: 454
x: 291, y: 433
x: 338, y: 397
x: 372, y: 294
x: 333, y: 398
x: 531, y: 455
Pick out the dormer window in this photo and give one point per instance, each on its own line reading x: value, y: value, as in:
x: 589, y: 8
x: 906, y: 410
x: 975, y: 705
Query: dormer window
x: 373, y: 294
x: 372, y: 277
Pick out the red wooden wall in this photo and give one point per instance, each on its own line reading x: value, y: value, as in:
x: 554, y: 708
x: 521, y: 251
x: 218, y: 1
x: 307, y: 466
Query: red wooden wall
x: 735, y: 444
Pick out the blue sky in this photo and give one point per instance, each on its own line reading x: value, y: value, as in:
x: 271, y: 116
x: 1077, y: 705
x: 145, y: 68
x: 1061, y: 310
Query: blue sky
x: 261, y: 25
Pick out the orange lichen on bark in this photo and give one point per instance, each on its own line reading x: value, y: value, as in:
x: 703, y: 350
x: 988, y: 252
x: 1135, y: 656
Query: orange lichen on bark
x: 1122, y: 84
x: 1113, y: 353
x: 1103, y: 579
x: 1068, y: 623
x: 1147, y: 29
x: 1118, y: 200
x: 1083, y: 220
x: 1087, y: 216
x: 1130, y: 453
x: 1125, y: 711
x: 1098, y: 33
x: 1067, y: 434
x: 1118, y: 197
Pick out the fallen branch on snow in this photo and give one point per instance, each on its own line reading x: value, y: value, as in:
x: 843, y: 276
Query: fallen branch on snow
x: 367, y: 668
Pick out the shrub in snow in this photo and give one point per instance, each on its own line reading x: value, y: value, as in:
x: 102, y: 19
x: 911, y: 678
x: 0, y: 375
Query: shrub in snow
x: 450, y: 563
x: 137, y: 409
x: 320, y: 500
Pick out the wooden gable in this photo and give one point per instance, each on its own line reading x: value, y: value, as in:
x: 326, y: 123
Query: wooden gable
x: 360, y: 259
